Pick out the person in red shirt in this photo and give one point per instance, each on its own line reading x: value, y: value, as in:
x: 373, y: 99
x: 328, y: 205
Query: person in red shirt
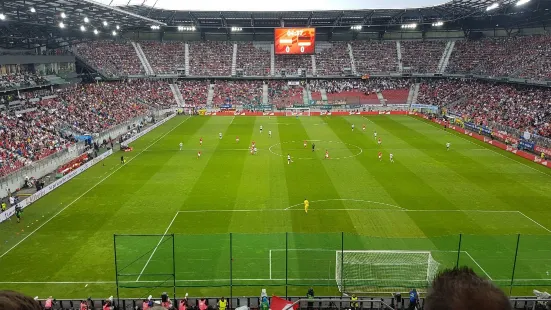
x: 203, y: 304
x: 198, y: 154
x: 83, y: 305
x: 380, y: 156
x: 145, y: 304
x: 49, y: 303
x: 201, y: 141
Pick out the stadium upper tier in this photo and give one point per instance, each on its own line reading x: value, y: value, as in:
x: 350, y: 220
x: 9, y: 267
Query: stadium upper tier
x: 523, y: 57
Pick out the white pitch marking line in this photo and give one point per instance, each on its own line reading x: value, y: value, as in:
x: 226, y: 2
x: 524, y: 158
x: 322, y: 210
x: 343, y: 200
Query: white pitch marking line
x: 270, y: 264
x: 90, y: 189
x: 356, y: 200
x: 342, y: 209
x: 157, y: 246
x: 479, y: 266
x: 540, y: 225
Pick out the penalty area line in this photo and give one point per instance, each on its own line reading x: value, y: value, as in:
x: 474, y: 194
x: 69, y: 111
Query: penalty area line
x: 540, y: 225
x: 91, y: 188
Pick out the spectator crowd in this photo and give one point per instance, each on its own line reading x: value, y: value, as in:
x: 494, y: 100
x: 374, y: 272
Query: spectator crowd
x: 527, y: 108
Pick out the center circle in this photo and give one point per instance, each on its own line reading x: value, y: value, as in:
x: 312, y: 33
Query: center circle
x: 298, y: 152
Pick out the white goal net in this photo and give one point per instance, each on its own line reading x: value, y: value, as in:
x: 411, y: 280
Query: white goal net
x: 297, y: 112
x: 368, y: 271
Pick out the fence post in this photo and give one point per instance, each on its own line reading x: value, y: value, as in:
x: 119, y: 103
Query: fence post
x: 286, y: 262
x: 458, y: 251
x: 174, y: 266
x: 342, y: 262
x: 231, y: 269
x: 514, y: 265
x: 116, y: 267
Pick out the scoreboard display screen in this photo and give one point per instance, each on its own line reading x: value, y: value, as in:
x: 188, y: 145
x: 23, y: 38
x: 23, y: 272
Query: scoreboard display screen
x: 294, y: 41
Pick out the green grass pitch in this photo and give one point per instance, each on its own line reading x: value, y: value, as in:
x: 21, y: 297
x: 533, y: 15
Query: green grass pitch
x: 65, y: 245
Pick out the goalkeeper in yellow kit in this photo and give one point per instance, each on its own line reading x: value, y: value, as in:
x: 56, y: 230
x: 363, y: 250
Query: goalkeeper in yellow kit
x: 306, y: 205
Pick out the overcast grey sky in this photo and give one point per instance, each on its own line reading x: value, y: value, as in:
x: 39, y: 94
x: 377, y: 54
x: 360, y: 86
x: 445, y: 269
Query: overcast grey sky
x: 279, y: 5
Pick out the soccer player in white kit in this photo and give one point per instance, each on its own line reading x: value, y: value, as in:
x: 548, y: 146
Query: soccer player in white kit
x: 447, y: 146
x: 391, y: 158
x: 352, y: 127
x: 181, y: 145
x: 254, y: 150
x: 375, y: 135
x: 260, y: 128
x: 237, y: 139
x: 288, y: 159
x: 270, y: 133
x: 220, y: 135
x: 326, y: 154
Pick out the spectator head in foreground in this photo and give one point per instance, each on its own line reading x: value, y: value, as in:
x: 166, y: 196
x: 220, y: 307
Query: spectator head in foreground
x: 17, y: 301
x: 462, y: 289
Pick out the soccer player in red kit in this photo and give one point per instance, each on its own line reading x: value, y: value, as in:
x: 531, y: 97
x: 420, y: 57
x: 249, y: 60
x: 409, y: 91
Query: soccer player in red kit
x: 305, y: 143
x: 201, y: 141
x: 380, y: 156
x: 363, y: 127
x: 326, y: 154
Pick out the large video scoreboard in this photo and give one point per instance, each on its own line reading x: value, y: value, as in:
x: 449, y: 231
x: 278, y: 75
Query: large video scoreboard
x: 294, y: 41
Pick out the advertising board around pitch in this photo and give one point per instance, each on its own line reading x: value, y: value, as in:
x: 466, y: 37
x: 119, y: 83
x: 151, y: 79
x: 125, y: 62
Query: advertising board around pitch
x: 294, y: 41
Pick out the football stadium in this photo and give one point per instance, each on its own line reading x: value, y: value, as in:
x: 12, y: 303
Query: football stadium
x: 346, y: 155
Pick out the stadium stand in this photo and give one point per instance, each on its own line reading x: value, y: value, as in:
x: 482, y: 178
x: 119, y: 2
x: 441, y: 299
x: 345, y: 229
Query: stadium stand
x: 375, y: 56
x: 281, y: 94
x: 210, y: 58
x: 20, y: 80
x: 291, y: 64
x: 194, y: 92
x: 254, y: 58
x: 238, y: 92
x: 164, y: 57
x: 421, y: 56
x: 112, y: 58
x: 362, y: 91
x: 490, y: 56
x: 516, y: 106
x: 332, y: 58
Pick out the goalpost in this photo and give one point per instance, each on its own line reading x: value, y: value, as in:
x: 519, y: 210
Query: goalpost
x: 297, y: 112
x: 365, y: 271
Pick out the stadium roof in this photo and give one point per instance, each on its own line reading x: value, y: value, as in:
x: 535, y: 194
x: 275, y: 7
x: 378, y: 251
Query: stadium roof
x: 280, y: 5
x: 32, y: 23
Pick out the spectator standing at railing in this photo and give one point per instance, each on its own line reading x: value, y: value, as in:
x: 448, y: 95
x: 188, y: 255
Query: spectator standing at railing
x: 203, y: 304
x: 50, y: 301
x: 413, y: 299
x: 222, y: 304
